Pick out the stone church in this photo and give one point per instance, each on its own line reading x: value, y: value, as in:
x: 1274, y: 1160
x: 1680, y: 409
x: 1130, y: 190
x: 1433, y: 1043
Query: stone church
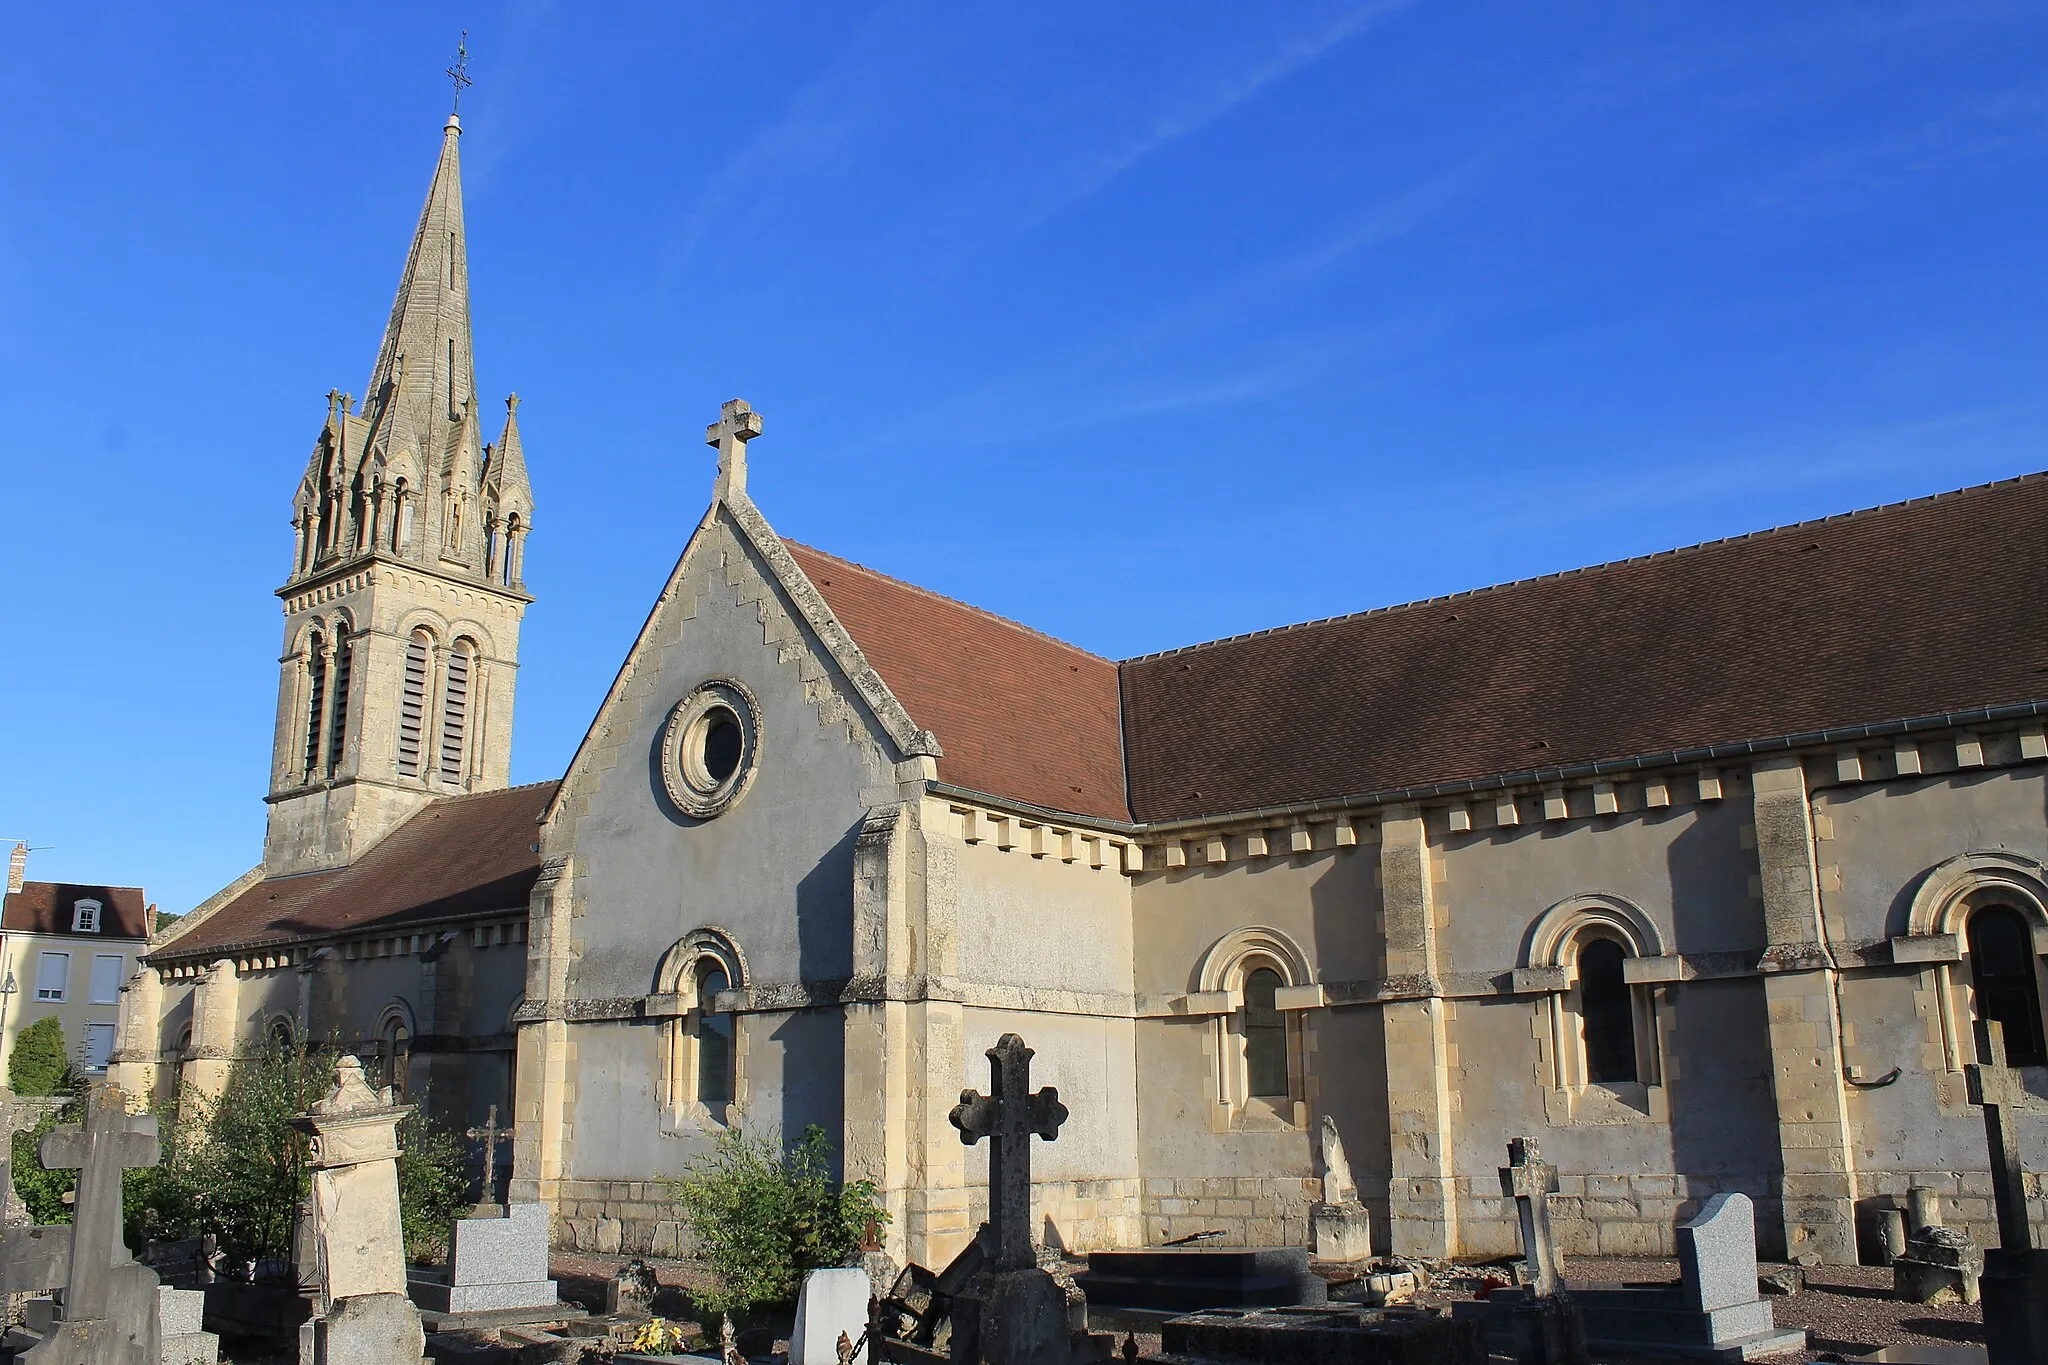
x: 1700, y: 867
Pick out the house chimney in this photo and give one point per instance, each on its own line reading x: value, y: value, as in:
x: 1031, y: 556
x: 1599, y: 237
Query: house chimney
x: 17, y: 868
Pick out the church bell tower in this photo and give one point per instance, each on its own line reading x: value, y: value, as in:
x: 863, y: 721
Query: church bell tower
x: 406, y: 590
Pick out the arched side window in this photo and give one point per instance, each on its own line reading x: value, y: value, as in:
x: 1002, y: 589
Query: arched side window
x: 412, y: 702
x: 1259, y: 1044
x: 281, y: 1035
x: 701, y: 1066
x: 1602, y: 967
x: 337, y: 723
x: 455, y: 710
x: 2004, y: 981
x: 1607, y: 1012
x: 1979, y: 923
x: 394, y: 1052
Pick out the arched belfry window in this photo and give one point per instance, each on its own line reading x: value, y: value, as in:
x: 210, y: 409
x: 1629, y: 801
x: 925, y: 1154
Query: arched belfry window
x: 337, y: 723
x: 455, y: 709
x: 316, y: 698
x: 401, y: 518
x: 701, y: 1069
x: 412, y: 702
x: 2004, y: 982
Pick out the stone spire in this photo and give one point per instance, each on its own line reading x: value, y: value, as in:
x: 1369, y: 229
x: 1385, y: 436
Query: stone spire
x: 424, y: 380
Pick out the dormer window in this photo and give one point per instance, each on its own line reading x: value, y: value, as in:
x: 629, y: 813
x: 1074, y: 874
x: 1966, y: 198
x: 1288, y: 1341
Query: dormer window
x: 85, y: 917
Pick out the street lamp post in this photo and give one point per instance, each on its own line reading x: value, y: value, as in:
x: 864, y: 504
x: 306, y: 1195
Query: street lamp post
x: 7, y: 989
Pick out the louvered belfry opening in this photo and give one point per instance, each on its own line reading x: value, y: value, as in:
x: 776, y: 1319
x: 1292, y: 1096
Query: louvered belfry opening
x: 337, y: 725
x: 316, y: 698
x: 454, y: 712
x: 412, y: 706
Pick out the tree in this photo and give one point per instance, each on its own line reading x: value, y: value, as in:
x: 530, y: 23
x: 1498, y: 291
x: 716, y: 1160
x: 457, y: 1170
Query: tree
x: 433, y: 1183
x: 760, y: 1216
x: 38, y: 1064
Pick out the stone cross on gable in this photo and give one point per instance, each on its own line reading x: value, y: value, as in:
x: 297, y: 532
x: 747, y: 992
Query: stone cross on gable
x: 492, y: 1135
x: 1008, y: 1117
x: 737, y: 424
x: 1530, y: 1181
x: 1996, y: 1087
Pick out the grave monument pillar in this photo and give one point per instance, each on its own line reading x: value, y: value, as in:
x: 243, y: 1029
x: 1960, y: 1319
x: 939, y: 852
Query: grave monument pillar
x: 361, y: 1313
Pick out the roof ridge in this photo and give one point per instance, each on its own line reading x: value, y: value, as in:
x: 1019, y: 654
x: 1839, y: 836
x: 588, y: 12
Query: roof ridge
x: 1601, y: 567
x: 495, y: 791
x: 951, y: 601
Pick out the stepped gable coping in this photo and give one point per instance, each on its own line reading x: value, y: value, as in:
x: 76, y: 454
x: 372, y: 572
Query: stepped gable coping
x: 1465, y: 594
x: 430, y: 868
x: 1011, y: 722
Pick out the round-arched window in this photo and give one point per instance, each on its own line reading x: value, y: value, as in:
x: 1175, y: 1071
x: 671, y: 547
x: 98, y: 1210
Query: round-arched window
x: 714, y: 1037
x: 1265, y: 1036
x: 2002, y: 977
x: 1608, y: 1011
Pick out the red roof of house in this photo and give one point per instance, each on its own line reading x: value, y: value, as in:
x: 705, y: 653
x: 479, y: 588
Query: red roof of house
x: 1018, y: 714
x: 46, y: 908
x: 462, y: 855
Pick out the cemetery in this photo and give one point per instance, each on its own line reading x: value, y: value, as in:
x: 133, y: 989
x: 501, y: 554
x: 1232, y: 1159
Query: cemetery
x: 349, y: 1292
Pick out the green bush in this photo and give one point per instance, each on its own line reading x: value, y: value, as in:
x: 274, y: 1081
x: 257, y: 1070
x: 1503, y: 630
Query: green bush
x: 37, y: 1065
x: 42, y: 1192
x: 433, y: 1184
x: 760, y: 1216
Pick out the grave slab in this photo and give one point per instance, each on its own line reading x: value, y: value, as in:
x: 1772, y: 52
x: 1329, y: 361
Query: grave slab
x: 831, y: 1302
x: 1175, y: 1280
x: 1332, y: 1335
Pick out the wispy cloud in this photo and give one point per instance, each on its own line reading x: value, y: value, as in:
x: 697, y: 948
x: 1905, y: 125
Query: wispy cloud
x: 1984, y: 130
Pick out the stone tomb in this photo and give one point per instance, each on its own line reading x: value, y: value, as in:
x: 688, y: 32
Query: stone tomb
x: 1325, y: 1336
x: 1159, y: 1282
x: 1938, y: 1264
x: 494, y: 1263
x: 1714, y: 1312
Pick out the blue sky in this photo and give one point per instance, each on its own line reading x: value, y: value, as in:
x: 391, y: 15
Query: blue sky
x: 1143, y: 323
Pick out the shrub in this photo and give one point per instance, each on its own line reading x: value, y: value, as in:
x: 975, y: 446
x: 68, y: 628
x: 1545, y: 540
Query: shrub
x: 42, y: 1192
x: 37, y: 1065
x: 433, y: 1184
x: 760, y: 1216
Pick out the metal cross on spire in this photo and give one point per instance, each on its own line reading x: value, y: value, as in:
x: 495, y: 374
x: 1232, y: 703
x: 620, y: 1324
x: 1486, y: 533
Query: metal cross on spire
x: 459, y: 73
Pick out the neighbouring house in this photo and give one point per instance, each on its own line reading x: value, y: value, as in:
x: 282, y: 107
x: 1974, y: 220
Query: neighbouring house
x: 66, y: 949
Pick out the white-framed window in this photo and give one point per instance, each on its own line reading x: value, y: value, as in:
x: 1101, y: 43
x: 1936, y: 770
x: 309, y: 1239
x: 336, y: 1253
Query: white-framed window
x: 106, y: 979
x: 53, y: 976
x: 99, y: 1046
x: 85, y: 917
x: 1598, y: 959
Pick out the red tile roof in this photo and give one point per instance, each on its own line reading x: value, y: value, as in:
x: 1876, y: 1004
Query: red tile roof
x: 463, y: 855
x: 46, y: 908
x: 1914, y: 609
x: 1019, y: 714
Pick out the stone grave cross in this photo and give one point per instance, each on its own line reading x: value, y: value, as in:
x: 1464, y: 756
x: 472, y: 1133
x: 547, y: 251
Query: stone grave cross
x: 111, y: 1141
x: 1530, y: 1181
x: 737, y: 424
x: 491, y: 1135
x: 1996, y: 1087
x: 1008, y: 1117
